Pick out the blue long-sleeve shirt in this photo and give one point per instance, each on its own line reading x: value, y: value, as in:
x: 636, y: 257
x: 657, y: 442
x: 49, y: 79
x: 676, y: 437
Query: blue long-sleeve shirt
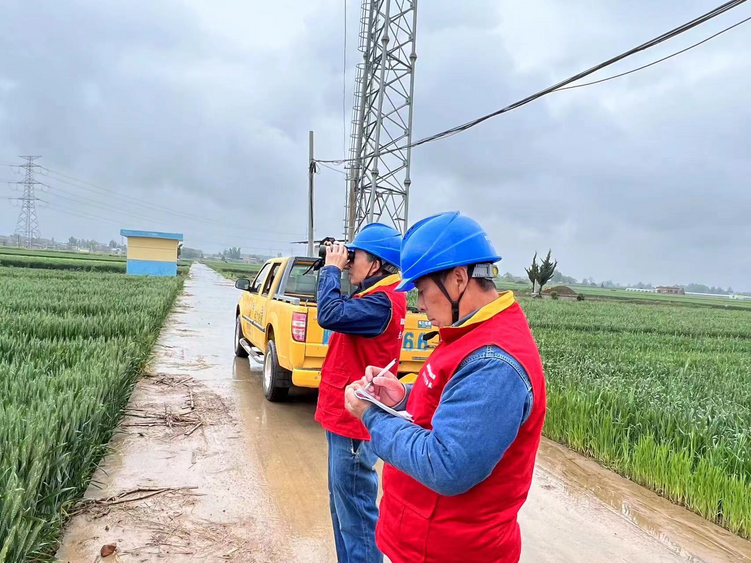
x: 367, y: 316
x: 478, y: 417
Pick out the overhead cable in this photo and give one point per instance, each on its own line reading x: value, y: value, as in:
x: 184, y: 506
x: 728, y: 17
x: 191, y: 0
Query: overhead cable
x: 138, y: 202
x: 654, y: 62
x: 132, y: 215
x: 638, y: 49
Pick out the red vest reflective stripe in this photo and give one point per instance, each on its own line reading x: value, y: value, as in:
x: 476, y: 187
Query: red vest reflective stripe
x: 417, y: 524
x: 349, y: 355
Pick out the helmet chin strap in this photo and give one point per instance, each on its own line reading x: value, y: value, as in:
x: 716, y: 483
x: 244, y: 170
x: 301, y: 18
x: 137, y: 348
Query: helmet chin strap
x: 436, y: 277
x: 454, y: 304
x: 370, y: 272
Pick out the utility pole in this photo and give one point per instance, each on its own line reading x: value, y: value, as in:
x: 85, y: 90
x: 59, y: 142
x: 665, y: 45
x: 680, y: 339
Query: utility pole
x: 27, y: 225
x: 379, y: 168
x: 311, y: 191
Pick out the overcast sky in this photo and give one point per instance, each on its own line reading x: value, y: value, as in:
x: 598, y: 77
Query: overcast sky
x: 205, y: 107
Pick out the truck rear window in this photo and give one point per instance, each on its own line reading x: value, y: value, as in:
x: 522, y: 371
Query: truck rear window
x: 302, y: 284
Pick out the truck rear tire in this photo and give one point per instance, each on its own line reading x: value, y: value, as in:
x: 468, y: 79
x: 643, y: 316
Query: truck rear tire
x: 276, y: 379
x: 239, y: 350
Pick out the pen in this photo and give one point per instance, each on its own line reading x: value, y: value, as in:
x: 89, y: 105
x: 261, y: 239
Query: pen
x: 384, y: 370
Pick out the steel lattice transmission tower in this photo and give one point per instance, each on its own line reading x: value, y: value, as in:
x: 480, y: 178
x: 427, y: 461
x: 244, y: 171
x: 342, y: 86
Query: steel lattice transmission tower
x: 378, y: 171
x: 27, y: 226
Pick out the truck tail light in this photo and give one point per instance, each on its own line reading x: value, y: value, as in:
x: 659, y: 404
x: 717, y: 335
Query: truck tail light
x: 299, y: 326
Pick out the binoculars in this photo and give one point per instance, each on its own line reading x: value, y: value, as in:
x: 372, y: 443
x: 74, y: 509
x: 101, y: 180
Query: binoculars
x: 329, y: 241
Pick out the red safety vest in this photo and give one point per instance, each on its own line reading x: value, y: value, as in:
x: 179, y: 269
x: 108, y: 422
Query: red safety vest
x: 349, y: 355
x: 417, y: 524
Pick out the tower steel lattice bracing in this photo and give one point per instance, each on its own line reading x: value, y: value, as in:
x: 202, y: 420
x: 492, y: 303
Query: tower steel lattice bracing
x: 27, y: 226
x: 378, y: 169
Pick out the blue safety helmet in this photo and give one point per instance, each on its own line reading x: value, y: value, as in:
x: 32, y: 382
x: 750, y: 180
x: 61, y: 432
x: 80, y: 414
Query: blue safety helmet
x: 379, y: 240
x: 441, y: 242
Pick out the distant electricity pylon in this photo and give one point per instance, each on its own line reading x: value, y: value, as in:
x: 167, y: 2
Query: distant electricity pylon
x: 27, y: 226
x: 378, y: 171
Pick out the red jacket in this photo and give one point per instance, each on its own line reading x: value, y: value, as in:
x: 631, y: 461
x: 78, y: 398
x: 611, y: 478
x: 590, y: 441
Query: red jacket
x: 349, y: 355
x: 419, y: 525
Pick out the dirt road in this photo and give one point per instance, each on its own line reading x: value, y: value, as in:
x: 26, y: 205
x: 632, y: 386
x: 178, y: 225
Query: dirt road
x: 204, y: 468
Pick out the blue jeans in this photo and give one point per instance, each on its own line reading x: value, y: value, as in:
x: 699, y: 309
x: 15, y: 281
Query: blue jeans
x: 353, y: 488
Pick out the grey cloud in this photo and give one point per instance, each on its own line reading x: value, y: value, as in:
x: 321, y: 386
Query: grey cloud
x: 644, y: 178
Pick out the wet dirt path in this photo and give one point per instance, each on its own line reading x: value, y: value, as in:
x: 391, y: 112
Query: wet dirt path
x: 204, y: 468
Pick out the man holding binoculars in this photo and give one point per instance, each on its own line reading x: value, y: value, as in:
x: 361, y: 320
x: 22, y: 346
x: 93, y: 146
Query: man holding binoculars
x: 367, y: 330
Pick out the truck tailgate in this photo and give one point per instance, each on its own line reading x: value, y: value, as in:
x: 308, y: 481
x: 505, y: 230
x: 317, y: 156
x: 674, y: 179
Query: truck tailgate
x: 317, y: 339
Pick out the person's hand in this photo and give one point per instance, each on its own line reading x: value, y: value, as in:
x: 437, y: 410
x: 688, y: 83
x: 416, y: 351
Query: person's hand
x: 337, y: 255
x: 386, y: 388
x: 355, y: 406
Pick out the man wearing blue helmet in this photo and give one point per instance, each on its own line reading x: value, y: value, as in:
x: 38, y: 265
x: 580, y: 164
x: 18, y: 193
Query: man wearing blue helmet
x: 455, y: 479
x: 367, y: 331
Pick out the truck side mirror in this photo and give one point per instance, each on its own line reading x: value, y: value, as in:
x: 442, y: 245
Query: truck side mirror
x: 243, y: 284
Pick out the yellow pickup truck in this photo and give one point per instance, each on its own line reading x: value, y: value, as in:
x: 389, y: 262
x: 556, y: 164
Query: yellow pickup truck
x: 276, y: 323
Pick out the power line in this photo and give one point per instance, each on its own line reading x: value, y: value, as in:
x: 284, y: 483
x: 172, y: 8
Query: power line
x: 256, y: 249
x: 57, y: 207
x: 126, y: 214
x: 103, y: 206
x: 152, y: 206
x: 88, y: 186
x: 655, y: 62
x: 130, y: 215
x: 331, y: 168
x: 196, y: 240
x: 643, y: 47
x: 128, y: 201
x: 98, y: 205
x: 78, y: 213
